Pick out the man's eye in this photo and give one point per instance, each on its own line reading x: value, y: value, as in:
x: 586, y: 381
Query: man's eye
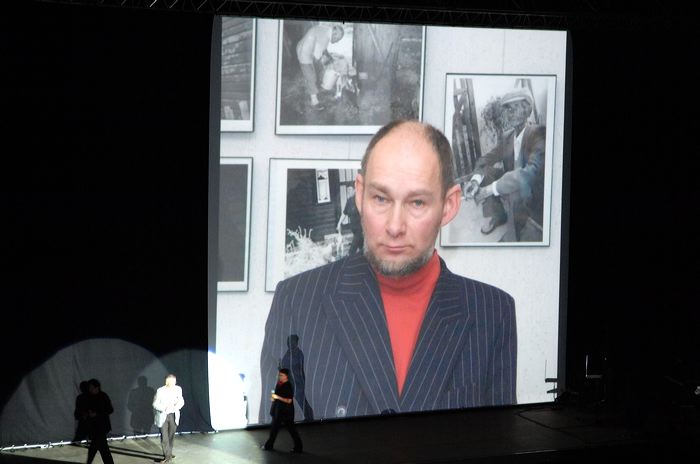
x: 418, y: 203
x: 379, y: 199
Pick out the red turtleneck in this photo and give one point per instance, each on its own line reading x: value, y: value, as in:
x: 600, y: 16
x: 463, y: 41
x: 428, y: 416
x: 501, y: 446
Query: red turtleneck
x: 405, y: 304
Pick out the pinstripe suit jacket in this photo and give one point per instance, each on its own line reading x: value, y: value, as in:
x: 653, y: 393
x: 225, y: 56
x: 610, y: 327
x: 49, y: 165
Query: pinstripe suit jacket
x: 465, y: 355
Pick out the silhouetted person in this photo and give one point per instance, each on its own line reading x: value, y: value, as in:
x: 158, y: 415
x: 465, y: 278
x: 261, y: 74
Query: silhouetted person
x: 167, y: 404
x: 140, y: 404
x: 99, y: 407
x: 294, y: 361
x: 81, y: 412
x: 282, y: 412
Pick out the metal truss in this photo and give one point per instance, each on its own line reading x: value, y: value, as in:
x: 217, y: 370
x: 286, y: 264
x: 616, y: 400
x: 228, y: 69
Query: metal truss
x: 507, y: 14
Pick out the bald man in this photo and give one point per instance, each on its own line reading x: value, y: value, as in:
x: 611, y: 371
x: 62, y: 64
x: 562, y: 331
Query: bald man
x: 392, y: 330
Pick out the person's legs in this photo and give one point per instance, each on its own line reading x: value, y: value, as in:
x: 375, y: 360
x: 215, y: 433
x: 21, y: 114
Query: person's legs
x: 274, y: 428
x: 80, y: 431
x: 105, y: 453
x: 521, y: 228
x: 171, y: 433
x: 298, y: 446
x: 164, y: 439
x: 308, y: 411
x: 357, y: 242
x: 309, y: 73
x: 92, y: 450
x: 494, y: 210
x: 167, y: 434
x: 98, y: 442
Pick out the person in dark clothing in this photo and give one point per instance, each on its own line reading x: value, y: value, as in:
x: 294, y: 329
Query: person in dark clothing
x: 509, y: 180
x: 81, y: 412
x: 352, y: 214
x: 282, y: 412
x: 99, y: 407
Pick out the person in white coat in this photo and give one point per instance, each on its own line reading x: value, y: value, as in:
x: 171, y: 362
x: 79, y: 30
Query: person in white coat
x: 166, y: 405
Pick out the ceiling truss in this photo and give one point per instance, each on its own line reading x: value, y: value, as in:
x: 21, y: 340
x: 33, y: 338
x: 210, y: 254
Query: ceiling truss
x: 506, y: 14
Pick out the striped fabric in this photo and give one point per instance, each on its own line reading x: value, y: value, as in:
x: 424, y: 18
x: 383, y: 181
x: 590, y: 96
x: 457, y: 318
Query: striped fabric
x: 465, y: 356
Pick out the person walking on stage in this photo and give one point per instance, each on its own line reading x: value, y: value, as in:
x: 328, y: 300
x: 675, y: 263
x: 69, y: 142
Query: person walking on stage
x: 99, y: 407
x: 282, y: 412
x: 167, y: 404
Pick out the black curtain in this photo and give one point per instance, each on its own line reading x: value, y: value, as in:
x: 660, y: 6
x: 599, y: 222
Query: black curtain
x: 634, y: 197
x: 104, y: 184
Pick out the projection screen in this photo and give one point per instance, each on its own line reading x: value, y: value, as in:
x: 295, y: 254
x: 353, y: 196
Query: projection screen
x: 299, y: 102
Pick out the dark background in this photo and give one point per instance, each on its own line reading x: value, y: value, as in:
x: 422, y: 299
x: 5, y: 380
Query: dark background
x: 104, y: 187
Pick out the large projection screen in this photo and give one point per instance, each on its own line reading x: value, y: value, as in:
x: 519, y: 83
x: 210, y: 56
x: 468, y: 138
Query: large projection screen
x: 299, y: 174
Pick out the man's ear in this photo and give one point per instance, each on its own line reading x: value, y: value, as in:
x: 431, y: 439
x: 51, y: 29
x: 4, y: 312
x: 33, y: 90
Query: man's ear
x: 359, y: 191
x: 453, y: 199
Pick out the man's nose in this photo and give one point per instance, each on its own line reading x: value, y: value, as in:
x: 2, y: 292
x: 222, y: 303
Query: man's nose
x: 396, y: 221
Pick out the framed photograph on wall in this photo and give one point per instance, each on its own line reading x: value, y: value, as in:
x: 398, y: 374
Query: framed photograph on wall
x: 312, y: 219
x: 237, y: 73
x: 347, y: 78
x: 235, y: 185
x: 501, y: 130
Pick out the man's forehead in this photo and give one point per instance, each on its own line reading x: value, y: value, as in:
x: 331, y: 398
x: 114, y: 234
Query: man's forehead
x: 406, y: 165
x: 404, y: 143
x: 410, y: 190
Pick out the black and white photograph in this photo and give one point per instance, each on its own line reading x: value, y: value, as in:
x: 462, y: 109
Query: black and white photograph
x: 347, y: 78
x: 500, y: 128
x: 235, y: 182
x: 312, y: 219
x: 237, y: 73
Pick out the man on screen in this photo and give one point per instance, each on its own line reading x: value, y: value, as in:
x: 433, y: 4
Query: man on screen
x: 312, y: 51
x: 392, y: 329
x: 509, y: 180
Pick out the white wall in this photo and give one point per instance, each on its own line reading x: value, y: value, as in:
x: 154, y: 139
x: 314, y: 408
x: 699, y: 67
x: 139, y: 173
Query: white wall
x: 530, y: 274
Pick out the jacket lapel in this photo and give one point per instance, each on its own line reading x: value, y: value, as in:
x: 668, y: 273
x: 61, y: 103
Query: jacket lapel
x: 524, y: 147
x: 509, y: 151
x: 356, y: 316
x: 440, y: 341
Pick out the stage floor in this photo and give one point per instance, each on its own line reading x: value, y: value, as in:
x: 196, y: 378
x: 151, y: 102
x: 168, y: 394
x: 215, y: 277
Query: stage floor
x: 546, y: 433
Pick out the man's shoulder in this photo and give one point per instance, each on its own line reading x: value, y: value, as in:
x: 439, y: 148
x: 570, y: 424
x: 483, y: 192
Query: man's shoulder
x: 325, y: 276
x: 478, y: 284
x: 472, y: 285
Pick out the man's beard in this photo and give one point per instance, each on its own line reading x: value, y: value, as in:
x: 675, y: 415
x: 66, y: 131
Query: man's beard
x: 400, y: 269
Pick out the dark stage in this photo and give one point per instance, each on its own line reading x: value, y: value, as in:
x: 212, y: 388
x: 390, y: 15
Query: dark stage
x: 542, y: 433
x: 105, y: 236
